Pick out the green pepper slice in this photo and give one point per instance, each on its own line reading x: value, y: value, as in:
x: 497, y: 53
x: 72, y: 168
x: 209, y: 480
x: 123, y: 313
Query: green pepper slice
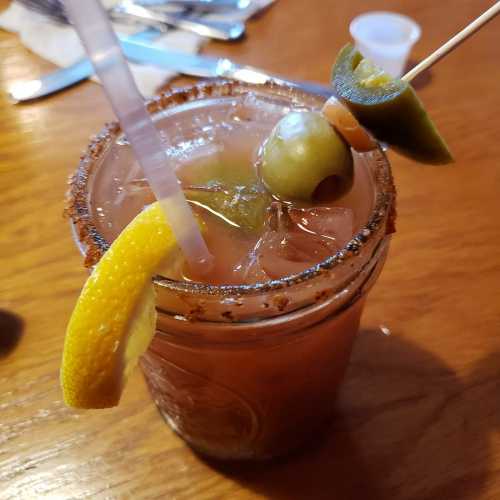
x: 388, y: 107
x: 231, y: 191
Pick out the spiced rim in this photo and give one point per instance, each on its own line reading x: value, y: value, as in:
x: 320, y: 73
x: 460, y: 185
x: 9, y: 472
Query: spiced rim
x: 78, y: 210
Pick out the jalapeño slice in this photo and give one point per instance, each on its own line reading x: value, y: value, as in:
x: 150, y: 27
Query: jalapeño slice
x: 230, y: 190
x: 387, y: 107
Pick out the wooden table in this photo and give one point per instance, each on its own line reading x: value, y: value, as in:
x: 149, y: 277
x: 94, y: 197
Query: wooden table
x: 418, y: 415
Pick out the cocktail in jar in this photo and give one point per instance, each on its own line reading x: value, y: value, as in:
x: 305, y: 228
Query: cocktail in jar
x: 246, y: 358
x: 247, y: 353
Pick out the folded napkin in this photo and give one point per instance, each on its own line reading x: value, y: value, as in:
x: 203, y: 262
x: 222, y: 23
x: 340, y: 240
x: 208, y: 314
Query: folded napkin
x: 60, y: 45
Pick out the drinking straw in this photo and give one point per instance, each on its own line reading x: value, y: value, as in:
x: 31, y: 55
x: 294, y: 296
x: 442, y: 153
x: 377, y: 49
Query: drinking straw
x: 103, y: 49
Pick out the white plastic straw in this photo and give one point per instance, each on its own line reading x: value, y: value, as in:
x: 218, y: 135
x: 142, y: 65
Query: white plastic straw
x: 103, y: 49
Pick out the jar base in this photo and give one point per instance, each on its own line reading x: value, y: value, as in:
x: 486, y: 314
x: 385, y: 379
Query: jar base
x: 309, y: 440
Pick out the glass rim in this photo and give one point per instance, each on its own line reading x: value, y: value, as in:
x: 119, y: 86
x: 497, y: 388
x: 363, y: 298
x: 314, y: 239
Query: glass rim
x: 94, y: 245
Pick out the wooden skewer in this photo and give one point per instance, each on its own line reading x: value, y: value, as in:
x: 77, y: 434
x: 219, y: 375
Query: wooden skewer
x: 454, y: 42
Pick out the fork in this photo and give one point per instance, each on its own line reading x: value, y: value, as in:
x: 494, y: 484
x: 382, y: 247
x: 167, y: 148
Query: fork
x: 221, y: 30
x: 214, y: 29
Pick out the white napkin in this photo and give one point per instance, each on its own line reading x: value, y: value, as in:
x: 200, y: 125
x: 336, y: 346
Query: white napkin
x: 60, y: 45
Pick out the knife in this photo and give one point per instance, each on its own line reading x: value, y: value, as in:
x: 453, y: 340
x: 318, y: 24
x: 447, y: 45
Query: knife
x: 26, y: 90
x: 138, y: 51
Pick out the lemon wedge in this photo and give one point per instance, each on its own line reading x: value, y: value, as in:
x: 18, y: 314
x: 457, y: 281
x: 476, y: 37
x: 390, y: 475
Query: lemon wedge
x: 114, y: 317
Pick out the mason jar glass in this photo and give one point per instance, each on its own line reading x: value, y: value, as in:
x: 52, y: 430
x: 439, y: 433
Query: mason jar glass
x: 244, y: 371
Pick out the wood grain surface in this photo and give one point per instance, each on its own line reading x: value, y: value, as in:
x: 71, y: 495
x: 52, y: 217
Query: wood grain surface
x: 419, y: 413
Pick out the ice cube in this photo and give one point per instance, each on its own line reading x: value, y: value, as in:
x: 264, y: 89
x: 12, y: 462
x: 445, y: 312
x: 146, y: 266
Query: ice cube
x: 250, y: 270
x: 133, y: 184
x: 298, y: 238
x: 332, y: 223
x: 192, y: 150
x: 257, y: 110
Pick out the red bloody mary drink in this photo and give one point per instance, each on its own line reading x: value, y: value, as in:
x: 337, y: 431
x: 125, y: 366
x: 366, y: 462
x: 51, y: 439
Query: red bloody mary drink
x: 247, y: 357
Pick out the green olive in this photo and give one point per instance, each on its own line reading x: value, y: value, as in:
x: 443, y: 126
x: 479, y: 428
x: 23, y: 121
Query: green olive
x: 302, y: 151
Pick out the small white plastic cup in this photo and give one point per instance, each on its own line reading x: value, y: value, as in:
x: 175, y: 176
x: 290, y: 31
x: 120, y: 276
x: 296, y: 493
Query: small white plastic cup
x: 386, y: 38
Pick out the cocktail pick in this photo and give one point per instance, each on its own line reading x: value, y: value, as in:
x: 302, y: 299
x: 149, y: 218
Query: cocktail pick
x: 453, y: 42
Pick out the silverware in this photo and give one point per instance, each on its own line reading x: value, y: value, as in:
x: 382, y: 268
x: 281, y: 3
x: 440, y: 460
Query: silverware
x: 200, y: 5
x: 193, y: 65
x: 128, y: 10
x: 53, y: 9
x: 66, y: 77
x: 221, y: 30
